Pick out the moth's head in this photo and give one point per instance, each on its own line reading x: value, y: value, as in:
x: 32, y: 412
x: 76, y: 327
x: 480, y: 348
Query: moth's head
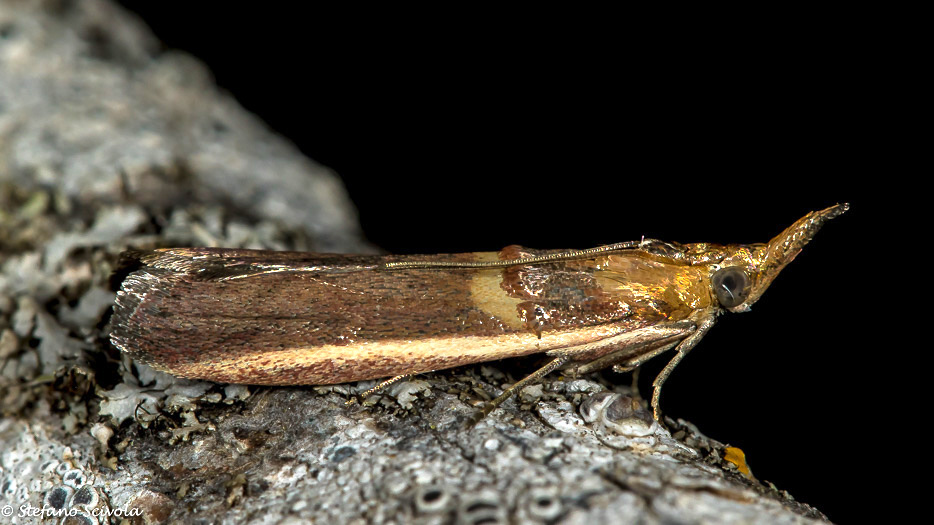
x: 746, y: 271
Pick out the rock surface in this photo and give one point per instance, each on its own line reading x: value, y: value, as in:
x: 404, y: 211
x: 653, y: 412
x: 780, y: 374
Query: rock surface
x: 105, y: 143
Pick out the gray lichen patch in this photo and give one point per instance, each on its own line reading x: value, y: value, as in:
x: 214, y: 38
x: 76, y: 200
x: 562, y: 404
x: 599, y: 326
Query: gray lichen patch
x: 38, y: 471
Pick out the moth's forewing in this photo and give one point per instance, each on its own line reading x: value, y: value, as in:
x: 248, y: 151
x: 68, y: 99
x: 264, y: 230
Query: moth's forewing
x: 244, y: 317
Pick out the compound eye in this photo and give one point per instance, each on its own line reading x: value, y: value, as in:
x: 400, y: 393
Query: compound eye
x: 731, y: 285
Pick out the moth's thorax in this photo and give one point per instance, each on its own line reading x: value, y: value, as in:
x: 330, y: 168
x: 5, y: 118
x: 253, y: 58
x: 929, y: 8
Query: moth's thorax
x: 672, y: 290
x: 633, y: 288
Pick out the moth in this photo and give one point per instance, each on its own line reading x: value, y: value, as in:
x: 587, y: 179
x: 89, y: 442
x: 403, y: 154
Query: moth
x: 289, y: 318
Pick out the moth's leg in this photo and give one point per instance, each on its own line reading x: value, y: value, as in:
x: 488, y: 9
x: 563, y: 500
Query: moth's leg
x: 623, y: 361
x: 379, y: 387
x: 634, y: 387
x: 682, y: 349
x: 628, y: 358
x: 534, y: 377
x: 625, y: 345
x: 629, y: 347
x: 634, y: 363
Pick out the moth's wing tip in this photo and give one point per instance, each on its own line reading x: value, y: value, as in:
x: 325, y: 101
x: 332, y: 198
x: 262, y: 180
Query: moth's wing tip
x: 128, y: 262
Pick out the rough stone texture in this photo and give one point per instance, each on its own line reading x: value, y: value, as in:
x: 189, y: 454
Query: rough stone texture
x: 107, y: 143
x: 87, y: 107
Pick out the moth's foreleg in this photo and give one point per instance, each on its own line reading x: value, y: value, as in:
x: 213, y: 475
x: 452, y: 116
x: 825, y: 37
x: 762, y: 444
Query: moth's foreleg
x: 629, y: 357
x: 634, y: 364
x: 680, y: 351
x: 623, y: 361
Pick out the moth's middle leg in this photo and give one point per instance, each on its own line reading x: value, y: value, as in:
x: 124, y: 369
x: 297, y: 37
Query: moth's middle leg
x: 624, y: 361
x: 534, y: 377
x: 627, y: 354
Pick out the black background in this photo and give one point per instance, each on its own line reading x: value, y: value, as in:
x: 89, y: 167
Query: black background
x: 473, y: 131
